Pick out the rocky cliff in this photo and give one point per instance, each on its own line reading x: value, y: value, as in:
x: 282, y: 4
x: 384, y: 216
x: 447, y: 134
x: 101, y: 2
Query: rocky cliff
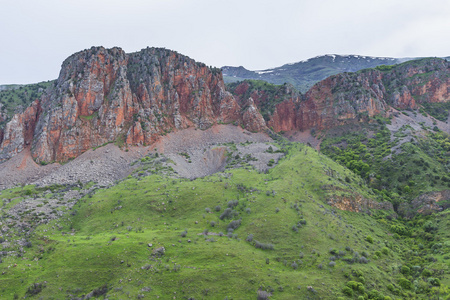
x: 104, y: 95
x: 351, y: 97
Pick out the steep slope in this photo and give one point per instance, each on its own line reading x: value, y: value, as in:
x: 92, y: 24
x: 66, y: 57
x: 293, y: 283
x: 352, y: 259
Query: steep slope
x: 304, y: 74
x: 352, y: 97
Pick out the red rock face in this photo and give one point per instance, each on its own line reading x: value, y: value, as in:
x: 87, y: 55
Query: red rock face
x: 252, y: 118
x: 349, y: 97
x: 105, y: 95
x: 19, y: 132
x: 284, y: 117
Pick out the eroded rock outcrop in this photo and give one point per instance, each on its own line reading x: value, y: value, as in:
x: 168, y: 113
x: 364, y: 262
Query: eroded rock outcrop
x: 351, y: 201
x: 19, y: 132
x: 104, y: 95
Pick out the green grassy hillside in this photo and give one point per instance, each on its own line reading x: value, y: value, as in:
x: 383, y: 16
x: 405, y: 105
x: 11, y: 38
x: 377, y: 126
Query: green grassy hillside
x: 234, y: 235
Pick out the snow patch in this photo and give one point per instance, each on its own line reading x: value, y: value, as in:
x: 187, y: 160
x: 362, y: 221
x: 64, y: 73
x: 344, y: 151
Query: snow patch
x: 263, y: 72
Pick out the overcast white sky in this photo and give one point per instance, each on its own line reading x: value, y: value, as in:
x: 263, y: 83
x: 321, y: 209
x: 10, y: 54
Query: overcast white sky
x: 36, y: 36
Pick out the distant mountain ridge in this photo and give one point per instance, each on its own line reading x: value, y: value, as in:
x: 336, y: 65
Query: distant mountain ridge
x: 304, y: 74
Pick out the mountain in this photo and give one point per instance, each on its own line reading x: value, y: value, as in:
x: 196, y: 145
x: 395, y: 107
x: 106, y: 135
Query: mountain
x: 105, y: 95
x: 143, y: 175
x: 304, y: 74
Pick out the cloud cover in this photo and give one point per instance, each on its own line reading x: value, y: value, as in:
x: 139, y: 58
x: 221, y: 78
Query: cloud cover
x: 38, y: 35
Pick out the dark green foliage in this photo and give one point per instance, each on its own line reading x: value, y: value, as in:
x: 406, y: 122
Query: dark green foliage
x: 405, y: 270
x: 35, y: 288
x: 438, y: 110
x: 426, y: 273
x: 404, y: 283
x: 416, y: 167
x: 384, y: 67
x: 347, y: 291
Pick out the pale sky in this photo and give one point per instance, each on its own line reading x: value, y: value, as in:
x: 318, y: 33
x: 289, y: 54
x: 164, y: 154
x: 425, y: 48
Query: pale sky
x: 36, y: 36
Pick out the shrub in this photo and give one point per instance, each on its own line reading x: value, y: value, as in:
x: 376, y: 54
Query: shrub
x: 404, y: 283
x: 234, y: 224
x: 427, y: 273
x: 369, y: 239
x: 217, y: 208
x: 429, y: 226
x: 347, y: 291
x: 100, y: 291
x: 263, y: 295
x: 183, y: 234
x: 248, y: 210
x: 434, y: 281
x: 352, y: 284
x: 294, y: 265
x: 332, y: 264
x: 363, y: 260
x: 35, y: 288
x: 212, y: 223
x: 405, y: 270
x: 385, y: 250
x: 249, y: 238
x: 227, y: 214
x: 263, y: 246
x: 208, y: 210
x: 233, y: 203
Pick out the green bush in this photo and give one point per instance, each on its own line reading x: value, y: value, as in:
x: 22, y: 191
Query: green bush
x: 405, y: 270
x: 352, y: 284
x: 405, y: 283
x: 427, y: 273
x: 347, y: 291
x: 434, y: 281
x: 369, y: 239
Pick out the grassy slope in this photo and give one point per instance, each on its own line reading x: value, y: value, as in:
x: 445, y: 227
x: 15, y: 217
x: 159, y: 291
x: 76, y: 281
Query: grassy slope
x: 156, y: 210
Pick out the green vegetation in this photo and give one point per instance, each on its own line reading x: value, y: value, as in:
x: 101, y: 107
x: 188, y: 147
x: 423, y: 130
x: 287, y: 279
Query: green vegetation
x: 267, y: 234
x: 384, y: 67
x: 397, y: 169
x: 438, y: 110
x: 20, y: 95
